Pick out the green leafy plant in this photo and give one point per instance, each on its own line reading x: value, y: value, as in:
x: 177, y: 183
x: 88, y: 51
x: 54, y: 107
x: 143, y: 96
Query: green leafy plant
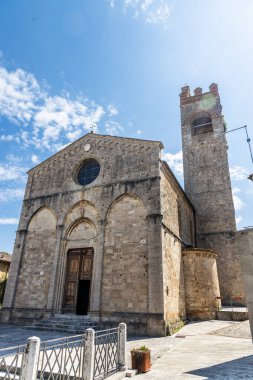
x: 142, y: 348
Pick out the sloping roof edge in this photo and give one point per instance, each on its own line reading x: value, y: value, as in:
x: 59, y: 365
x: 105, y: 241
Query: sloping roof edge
x: 94, y: 134
x: 165, y: 164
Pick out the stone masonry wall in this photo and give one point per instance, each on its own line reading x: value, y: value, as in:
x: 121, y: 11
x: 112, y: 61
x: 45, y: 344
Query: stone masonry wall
x: 176, y: 227
x: 35, y: 272
x: 125, y: 267
x: 244, y: 242
x: 202, y: 292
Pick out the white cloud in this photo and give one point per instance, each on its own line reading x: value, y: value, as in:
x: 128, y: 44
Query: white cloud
x: 10, y: 194
x: 58, y: 115
x: 153, y: 11
x: 238, y: 219
x: 35, y: 159
x: 175, y: 162
x: 113, y: 128
x: 113, y: 111
x: 7, y: 138
x: 238, y: 203
x: 8, y: 221
x: 72, y: 136
x: 13, y: 158
x: 238, y: 173
x: 46, y: 121
x: 19, y: 92
x: 12, y: 172
x: 111, y: 3
x: 139, y: 132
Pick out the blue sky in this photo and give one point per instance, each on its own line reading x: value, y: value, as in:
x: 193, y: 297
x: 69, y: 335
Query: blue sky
x: 65, y: 65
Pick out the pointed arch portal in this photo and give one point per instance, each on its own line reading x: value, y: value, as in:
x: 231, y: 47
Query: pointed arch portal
x: 79, y: 265
x: 78, y: 281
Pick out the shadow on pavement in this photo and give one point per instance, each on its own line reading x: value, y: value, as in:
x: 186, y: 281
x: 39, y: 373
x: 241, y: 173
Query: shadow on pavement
x: 234, y: 369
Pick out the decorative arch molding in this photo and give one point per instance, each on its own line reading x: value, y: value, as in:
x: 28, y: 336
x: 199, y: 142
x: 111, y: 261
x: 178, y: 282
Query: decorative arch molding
x: 189, y: 118
x: 120, y: 198
x: 97, y: 144
x: 43, y: 219
x: 200, y: 114
x: 77, y: 223
x: 81, y: 210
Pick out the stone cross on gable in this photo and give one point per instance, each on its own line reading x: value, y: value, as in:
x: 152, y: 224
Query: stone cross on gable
x: 93, y: 126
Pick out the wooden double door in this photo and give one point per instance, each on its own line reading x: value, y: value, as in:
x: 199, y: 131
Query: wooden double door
x: 78, y: 281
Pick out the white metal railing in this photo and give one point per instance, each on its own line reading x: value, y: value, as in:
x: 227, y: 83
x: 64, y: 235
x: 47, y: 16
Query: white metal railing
x: 92, y: 355
x: 11, y: 362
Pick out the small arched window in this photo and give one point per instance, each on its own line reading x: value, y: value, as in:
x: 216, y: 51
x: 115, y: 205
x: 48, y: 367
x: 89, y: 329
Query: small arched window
x: 202, y: 124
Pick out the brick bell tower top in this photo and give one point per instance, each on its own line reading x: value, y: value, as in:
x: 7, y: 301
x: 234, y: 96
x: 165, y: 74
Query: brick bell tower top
x: 206, y: 170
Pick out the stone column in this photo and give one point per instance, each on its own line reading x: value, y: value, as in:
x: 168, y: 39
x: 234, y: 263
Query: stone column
x: 122, y: 346
x: 55, y: 270
x: 61, y: 269
x: 89, y: 355
x: 10, y: 292
x: 155, y: 264
x: 30, y: 360
x: 95, y: 299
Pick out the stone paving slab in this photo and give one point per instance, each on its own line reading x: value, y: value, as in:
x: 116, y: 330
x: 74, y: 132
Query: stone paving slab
x: 200, y: 355
x: 236, y: 330
x: 11, y: 335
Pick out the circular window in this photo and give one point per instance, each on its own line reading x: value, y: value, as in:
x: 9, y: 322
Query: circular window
x: 88, y: 172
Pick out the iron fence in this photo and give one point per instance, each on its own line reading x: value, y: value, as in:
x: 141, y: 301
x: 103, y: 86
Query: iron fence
x: 61, y: 359
x: 106, y: 353
x: 11, y: 362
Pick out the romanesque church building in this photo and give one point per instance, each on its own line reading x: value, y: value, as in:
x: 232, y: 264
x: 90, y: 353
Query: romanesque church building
x: 107, y: 232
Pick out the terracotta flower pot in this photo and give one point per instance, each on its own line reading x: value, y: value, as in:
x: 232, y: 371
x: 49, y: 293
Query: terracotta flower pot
x: 141, y: 360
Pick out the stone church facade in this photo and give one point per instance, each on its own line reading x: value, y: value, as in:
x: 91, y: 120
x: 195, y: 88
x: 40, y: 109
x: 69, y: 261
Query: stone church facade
x: 107, y: 231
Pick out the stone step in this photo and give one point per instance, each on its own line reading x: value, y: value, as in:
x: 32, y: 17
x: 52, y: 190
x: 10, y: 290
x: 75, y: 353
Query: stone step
x: 64, y: 323
x: 71, y: 316
x: 233, y: 314
x: 58, y: 329
x: 59, y: 323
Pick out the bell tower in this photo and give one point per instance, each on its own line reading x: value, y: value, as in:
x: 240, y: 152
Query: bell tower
x: 208, y: 186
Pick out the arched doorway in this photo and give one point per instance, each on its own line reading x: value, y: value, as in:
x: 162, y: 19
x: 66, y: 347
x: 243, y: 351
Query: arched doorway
x: 78, y: 281
x: 79, y: 268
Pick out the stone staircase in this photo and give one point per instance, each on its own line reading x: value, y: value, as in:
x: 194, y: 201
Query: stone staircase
x: 73, y: 324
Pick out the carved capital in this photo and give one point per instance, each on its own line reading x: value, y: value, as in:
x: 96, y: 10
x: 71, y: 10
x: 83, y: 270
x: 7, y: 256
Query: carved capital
x: 60, y: 227
x: 103, y: 222
x: 155, y: 217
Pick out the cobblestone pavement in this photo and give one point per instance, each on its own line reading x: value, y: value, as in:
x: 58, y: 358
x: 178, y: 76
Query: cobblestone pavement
x: 197, y: 352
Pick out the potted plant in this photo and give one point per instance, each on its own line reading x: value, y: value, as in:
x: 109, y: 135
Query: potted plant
x: 141, y: 359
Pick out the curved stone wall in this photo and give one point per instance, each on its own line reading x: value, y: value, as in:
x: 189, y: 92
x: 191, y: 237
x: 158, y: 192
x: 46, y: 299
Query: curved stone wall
x: 202, y: 292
